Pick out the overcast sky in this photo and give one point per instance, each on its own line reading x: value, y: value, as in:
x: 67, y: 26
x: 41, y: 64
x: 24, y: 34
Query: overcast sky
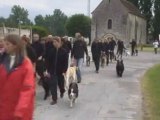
x: 43, y: 7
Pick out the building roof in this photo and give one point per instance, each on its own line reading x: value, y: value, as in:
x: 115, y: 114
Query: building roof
x: 128, y: 5
x: 132, y: 8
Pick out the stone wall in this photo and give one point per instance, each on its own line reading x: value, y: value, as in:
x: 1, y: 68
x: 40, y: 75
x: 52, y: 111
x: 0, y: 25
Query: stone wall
x: 6, y: 30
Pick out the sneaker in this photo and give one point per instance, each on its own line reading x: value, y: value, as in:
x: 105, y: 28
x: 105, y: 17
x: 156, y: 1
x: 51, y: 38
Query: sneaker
x: 53, y: 102
x: 61, y: 95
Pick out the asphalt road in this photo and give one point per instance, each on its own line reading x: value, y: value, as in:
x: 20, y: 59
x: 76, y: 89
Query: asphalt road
x: 102, y: 96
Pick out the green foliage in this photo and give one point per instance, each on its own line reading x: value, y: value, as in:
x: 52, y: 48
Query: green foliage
x: 59, y: 20
x: 79, y: 23
x: 156, y: 19
x: 18, y: 15
x: 39, y: 20
x: 145, y: 7
x: 54, y: 23
x: 151, y: 90
x: 39, y: 30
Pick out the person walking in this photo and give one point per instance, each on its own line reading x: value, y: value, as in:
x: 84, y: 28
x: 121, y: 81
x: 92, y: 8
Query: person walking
x: 155, y: 44
x: 79, y: 47
x: 17, y: 85
x: 96, y: 53
x: 57, y: 67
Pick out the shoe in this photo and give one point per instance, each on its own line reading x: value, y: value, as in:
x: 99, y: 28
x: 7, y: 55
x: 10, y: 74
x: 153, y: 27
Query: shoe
x: 53, y: 102
x: 61, y: 95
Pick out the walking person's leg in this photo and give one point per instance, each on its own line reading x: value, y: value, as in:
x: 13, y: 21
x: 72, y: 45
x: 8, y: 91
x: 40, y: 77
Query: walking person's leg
x: 61, y: 85
x: 79, y: 64
x: 53, y: 88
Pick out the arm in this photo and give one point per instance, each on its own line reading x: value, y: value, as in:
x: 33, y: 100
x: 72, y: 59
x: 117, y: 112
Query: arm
x: 65, y: 62
x: 27, y: 93
x: 72, y: 51
x: 85, y: 49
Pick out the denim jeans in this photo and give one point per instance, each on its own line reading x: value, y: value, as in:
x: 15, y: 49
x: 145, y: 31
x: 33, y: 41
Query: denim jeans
x: 79, y: 63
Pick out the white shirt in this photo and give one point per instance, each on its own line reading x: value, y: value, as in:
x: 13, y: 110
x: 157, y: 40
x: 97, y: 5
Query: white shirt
x: 12, y: 61
x: 155, y: 44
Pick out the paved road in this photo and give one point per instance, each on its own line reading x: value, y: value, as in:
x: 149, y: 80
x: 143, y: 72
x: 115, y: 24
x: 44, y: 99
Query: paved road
x: 103, y: 96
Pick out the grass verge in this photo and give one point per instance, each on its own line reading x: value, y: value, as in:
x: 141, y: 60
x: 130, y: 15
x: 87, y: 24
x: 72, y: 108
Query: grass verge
x: 151, y: 92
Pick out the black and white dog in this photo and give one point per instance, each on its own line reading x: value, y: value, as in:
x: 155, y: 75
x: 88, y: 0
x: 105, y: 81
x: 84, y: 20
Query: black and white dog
x: 73, y: 93
x: 71, y: 84
x: 88, y: 61
x: 120, y: 68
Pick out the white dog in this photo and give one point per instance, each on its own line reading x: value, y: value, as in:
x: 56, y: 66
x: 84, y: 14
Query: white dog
x: 71, y: 84
x: 70, y: 76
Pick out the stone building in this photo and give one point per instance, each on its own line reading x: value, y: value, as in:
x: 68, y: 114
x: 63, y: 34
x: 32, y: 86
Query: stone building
x: 119, y: 19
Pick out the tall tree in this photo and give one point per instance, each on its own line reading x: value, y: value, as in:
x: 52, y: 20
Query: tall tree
x: 79, y: 23
x: 156, y: 19
x: 2, y: 21
x: 146, y: 9
x: 135, y: 2
x: 19, y: 15
x: 39, y: 20
x: 59, y: 20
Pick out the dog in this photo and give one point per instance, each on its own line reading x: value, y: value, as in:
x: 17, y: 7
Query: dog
x: 136, y: 52
x: 127, y: 52
x: 103, y: 58
x: 119, y: 68
x: 70, y: 76
x: 88, y: 61
x: 71, y: 84
x: 73, y: 93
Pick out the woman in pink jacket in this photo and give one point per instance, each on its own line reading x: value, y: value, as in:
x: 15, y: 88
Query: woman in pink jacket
x: 17, y: 85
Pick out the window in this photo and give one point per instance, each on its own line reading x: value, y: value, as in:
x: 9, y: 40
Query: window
x: 109, y: 24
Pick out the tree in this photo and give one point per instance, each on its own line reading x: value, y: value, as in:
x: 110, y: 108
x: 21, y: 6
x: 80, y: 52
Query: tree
x: 2, y: 21
x: 146, y: 7
x: 135, y: 2
x: 39, y: 30
x: 18, y: 15
x: 156, y: 19
x: 39, y: 20
x: 79, y: 23
x: 59, y: 20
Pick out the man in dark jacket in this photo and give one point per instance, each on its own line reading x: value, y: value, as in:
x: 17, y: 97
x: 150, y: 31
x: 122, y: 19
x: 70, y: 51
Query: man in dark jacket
x: 133, y: 46
x: 79, y: 47
x: 112, y: 47
x: 57, y: 68
x: 96, y: 53
x: 107, y: 51
x: 120, y: 48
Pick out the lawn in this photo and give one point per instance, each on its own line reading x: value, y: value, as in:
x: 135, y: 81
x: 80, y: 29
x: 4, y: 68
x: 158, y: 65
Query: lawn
x: 151, y: 92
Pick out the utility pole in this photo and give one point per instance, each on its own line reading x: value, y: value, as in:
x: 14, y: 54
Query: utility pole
x: 88, y: 7
x: 3, y: 29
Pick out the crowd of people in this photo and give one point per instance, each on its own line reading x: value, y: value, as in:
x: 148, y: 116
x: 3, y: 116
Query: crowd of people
x: 21, y: 60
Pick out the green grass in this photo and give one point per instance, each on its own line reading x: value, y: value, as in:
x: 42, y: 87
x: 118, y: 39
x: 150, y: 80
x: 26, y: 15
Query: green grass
x: 151, y: 91
x: 147, y: 49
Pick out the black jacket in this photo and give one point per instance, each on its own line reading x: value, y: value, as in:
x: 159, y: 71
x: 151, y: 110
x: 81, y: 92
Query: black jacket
x: 31, y: 53
x: 67, y: 46
x: 39, y: 48
x: 58, y: 61
x: 78, y: 50
x: 96, y: 50
x: 112, y: 45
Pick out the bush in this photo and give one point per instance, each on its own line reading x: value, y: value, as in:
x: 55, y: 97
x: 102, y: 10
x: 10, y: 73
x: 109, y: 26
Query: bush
x: 39, y: 30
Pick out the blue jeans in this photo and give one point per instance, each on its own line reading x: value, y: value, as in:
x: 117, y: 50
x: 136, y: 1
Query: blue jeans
x: 79, y: 63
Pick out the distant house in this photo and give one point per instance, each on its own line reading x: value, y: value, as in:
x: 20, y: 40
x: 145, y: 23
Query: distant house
x: 119, y: 19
